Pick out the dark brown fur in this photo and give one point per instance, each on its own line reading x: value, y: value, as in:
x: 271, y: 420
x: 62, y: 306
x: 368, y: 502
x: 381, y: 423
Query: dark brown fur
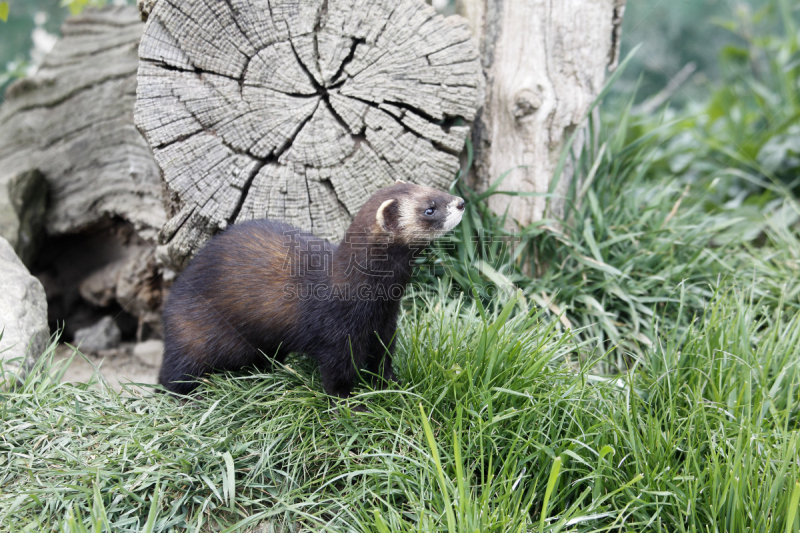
x: 264, y: 289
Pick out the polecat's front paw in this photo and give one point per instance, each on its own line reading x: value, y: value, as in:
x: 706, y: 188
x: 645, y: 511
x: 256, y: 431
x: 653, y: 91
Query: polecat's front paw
x: 354, y: 406
x: 389, y: 376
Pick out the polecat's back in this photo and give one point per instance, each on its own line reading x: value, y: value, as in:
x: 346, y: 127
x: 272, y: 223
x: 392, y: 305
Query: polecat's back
x: 231, y: 302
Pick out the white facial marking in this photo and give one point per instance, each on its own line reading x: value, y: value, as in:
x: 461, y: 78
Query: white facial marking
x: 380, y: 216
x: 408, y: 215
x: 453, y: 215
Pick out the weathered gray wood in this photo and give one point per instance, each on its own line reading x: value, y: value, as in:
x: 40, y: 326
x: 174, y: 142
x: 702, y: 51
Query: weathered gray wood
x: 72, y: 124
x: 544, y: 64
x: 299, y: 109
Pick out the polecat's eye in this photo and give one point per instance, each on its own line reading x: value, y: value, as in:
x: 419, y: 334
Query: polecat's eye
x: 430, y: 211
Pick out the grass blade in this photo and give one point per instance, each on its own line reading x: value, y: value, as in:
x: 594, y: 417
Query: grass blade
x: 448, y: 507
x: 551, y: 483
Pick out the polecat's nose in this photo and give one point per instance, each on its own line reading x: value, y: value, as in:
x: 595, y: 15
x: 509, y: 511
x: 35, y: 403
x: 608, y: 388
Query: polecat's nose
x: 460, y: 205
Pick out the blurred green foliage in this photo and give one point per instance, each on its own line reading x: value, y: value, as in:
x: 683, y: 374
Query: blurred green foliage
x: 76, y: 6
x: 24, y: 16
x: 16, y: 40
x: 744, y: 138
x: 672, y: 35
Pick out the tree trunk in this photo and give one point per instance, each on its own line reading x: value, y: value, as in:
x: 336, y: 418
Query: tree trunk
x: 544, y: 64
x: 68, y: 143
x: 299, y: 109
x: 73, y: 122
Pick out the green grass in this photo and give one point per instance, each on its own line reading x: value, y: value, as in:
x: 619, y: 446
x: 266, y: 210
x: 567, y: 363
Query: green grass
x: 671, y: 403
x: 639, y: 251
x: 494, y: 429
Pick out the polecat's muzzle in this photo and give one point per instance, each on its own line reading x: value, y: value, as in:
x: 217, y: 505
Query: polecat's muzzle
x: 455, y: 210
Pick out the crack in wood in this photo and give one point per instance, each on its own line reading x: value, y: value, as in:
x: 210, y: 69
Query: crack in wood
x: 167, y: 66
x: 267, y: 136
x: 180, y: 139
x: 339, y: 119
x: 323, y: 11
x: 320, y: 89
x: 447, y: 123
x: 235, y: 16
x: 243, y: 77
x: 264, y: 162
x: 280, y: 150
x: 50, y: 104
x: 71, y: 135
x: 328, y: 185
x: 246, y: 189
x: 79, y: 56
x: 335, y: 83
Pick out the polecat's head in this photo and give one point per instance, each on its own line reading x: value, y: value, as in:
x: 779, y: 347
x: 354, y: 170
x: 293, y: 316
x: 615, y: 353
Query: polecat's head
x: 413, y: 213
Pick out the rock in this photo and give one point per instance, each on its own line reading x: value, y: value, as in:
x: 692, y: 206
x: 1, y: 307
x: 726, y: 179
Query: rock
x: 102, y: 336
x: 149, y: 352
x: 124, y: 274
x: 22, y: 212
x: 23, y: 313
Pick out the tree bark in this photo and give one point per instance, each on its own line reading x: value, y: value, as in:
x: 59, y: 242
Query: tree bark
x: 299, y: 109
x: 72, y: 122
x: 544, y: 62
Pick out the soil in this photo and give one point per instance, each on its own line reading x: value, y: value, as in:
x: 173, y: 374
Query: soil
x: 129, y: 364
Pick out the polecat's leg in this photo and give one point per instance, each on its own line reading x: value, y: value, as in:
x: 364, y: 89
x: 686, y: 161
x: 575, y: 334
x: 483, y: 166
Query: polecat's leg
x: 380, y: 354
x: 176, y: 373
x: 337, y: 367
x: 267, y: 357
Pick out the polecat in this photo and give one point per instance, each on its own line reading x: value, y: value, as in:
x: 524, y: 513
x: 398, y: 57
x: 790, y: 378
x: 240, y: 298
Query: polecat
x: 265, y: 286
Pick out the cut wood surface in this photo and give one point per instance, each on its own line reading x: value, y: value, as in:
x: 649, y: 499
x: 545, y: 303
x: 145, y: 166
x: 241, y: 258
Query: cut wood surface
x: 299, y: 109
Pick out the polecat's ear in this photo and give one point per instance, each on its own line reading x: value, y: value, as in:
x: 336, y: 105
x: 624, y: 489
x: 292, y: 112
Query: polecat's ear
x: 399, y: 182
x: 386, y: 215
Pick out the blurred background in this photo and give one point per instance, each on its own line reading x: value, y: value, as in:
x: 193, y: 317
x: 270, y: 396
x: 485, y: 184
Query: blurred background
x: 684, y: 35
x: 31, y: 31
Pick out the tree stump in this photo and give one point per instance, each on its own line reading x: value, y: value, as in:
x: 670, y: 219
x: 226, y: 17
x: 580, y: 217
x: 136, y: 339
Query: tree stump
x: 544, y: 64
x: 299, y: 109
